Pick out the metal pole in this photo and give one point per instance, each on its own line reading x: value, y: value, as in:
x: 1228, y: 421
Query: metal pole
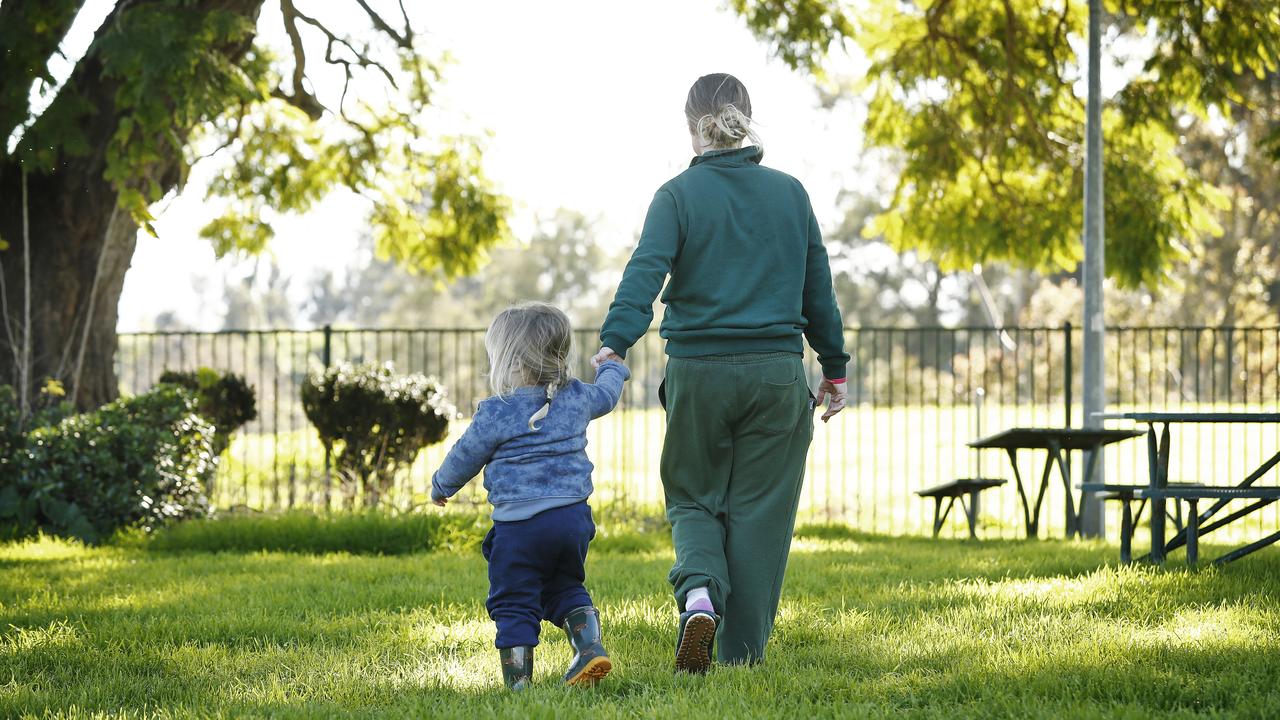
x: 327, y: 358
x: 1091, y: 516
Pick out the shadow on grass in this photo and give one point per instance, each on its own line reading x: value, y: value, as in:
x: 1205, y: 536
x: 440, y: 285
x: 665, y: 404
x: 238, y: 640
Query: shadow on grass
x: 869, y: 625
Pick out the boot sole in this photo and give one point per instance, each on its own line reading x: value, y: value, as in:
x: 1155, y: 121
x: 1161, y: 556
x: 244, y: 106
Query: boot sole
x: 693, y: 655
x: 593, y: 673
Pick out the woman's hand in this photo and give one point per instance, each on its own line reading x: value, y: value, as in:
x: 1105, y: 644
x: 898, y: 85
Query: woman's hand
x: 835, y: 394
x: 604, y: 355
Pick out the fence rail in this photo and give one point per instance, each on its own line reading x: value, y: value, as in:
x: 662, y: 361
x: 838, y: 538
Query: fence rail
x: 917, y: 395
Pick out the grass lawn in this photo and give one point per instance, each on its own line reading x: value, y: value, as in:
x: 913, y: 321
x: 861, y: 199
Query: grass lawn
x: 871, y: 626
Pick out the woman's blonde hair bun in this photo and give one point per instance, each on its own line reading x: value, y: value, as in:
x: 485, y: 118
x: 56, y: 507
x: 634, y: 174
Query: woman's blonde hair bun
x: 718, y: 111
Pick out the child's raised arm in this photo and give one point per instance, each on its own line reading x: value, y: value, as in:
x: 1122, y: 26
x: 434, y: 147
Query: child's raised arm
x: 467, y: 456
x: 607, y: 389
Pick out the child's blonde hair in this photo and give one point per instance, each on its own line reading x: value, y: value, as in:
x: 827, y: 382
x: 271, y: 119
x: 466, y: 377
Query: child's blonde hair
x: 718, y: 111
x: 529, y: 344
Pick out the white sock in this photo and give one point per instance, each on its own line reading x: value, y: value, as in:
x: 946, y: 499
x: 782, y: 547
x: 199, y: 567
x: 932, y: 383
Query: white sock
x: 698, y: 599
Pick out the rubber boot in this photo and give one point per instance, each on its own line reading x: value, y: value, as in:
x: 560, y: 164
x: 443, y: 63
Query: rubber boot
x: 517, y: 666
x: 694, y: 641
x: 591, y: 663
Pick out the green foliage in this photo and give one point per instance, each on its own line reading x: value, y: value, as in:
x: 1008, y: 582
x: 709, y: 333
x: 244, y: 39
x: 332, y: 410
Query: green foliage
x: 189, y: 80
x: 224, y: 399
x: 137, y: 462
x: 801, y: 32
x: 563, y: 263
x: 978, y: 100
x: 374, y: 422
x: 1207, y: 53
x: 29, y: 33
x: 432, y: 208
x: 174, y: 73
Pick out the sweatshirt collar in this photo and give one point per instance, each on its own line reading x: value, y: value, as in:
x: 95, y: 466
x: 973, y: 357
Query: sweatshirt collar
x: 732, y: 156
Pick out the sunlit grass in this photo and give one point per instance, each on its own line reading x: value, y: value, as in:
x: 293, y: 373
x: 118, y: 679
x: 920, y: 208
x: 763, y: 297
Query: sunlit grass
x: 870, y: 627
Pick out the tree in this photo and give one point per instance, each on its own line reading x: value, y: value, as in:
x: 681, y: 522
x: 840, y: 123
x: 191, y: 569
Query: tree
x: 977, y: 97
x: 561, y: 263
x: 168, y: 83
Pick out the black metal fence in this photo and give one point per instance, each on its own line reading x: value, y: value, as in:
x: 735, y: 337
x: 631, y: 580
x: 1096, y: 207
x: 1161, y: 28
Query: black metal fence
x: 916, y: 397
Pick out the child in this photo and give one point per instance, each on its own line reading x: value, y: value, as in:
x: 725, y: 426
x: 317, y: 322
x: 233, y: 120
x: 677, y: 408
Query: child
x: 531, y: 440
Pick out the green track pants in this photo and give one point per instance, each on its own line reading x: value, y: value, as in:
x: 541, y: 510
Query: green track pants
x: 738, y: 430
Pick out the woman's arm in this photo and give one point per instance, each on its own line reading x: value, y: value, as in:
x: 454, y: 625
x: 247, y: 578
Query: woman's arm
x: 632, y: 309
x: 825, y: 329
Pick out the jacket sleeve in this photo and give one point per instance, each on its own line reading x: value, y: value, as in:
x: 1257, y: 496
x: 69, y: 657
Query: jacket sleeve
x: 631, y: 311
x: 825, y: 328
x: 467, y: 456
x: 603, y: 395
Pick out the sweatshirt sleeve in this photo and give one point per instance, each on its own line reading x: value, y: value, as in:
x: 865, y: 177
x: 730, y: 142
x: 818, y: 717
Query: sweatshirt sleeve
x: 467, y: 456
x: 632, y: 309
x: 825, y: 329
x: 607, y: 390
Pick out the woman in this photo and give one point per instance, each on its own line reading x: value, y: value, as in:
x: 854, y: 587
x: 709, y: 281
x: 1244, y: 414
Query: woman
x: 748, y: 277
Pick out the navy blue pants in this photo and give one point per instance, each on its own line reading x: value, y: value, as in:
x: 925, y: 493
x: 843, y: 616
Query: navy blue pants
x: 536, y: 570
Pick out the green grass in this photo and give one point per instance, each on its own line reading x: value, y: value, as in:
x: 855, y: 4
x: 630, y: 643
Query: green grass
x: 870, y: 626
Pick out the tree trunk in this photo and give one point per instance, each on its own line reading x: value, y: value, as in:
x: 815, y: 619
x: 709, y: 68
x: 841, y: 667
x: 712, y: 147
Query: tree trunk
x: 79, y: 256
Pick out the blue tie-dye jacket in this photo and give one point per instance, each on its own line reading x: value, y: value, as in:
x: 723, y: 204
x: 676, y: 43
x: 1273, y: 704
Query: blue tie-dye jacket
x: 528, y: 471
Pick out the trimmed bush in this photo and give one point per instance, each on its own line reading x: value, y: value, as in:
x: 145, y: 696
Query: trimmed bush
x: 225, y: 400
x: 374, y: 422
x: 136, y: 462
x: 372, y: 532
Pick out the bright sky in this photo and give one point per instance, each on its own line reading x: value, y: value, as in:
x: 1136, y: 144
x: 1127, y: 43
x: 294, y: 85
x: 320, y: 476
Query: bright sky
x: 585, y: 102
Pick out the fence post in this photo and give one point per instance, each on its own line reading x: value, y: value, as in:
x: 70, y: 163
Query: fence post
x: 1068, y: 373
x: 326, y: 357
x: 1068, y: 376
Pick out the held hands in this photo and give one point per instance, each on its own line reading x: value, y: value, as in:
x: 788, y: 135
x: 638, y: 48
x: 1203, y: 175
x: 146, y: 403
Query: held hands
x: 441, y: 502
x: 835, y: 394
x: 604, y: 355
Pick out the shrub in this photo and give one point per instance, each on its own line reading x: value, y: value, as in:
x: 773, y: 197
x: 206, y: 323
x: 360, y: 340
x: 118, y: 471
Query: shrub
x: 141, y: 461
x: 225, y: 400
x: 370, y: 532
x: 374, y: 422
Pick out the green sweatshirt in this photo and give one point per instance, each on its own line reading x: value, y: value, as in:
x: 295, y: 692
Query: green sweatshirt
x: 748, y: 269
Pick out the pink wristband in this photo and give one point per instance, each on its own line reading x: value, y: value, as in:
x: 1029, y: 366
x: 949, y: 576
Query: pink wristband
x: 836, y: 382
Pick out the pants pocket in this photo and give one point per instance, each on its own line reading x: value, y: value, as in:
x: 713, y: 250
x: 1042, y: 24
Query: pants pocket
x: 779, y: 406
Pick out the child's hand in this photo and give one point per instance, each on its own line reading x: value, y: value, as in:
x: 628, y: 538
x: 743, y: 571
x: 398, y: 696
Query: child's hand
x: 440, y: 502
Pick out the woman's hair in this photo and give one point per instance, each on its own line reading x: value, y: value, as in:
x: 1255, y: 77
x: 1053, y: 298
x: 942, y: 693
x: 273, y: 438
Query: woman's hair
x: 529, y: 344
x: 718, y: 110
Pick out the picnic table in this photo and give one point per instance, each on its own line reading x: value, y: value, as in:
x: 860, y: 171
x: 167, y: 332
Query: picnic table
x: 1159, y: 489
x: 1058, y: 442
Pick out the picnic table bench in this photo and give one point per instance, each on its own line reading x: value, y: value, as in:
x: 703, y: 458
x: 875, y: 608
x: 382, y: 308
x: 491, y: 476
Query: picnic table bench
x: 1158, y: 489
x: 1057, y: 442
x: 958, y: 489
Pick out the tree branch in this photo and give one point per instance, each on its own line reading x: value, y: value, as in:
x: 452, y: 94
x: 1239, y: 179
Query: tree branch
x: 300, y: 98
x: 403, y: 39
